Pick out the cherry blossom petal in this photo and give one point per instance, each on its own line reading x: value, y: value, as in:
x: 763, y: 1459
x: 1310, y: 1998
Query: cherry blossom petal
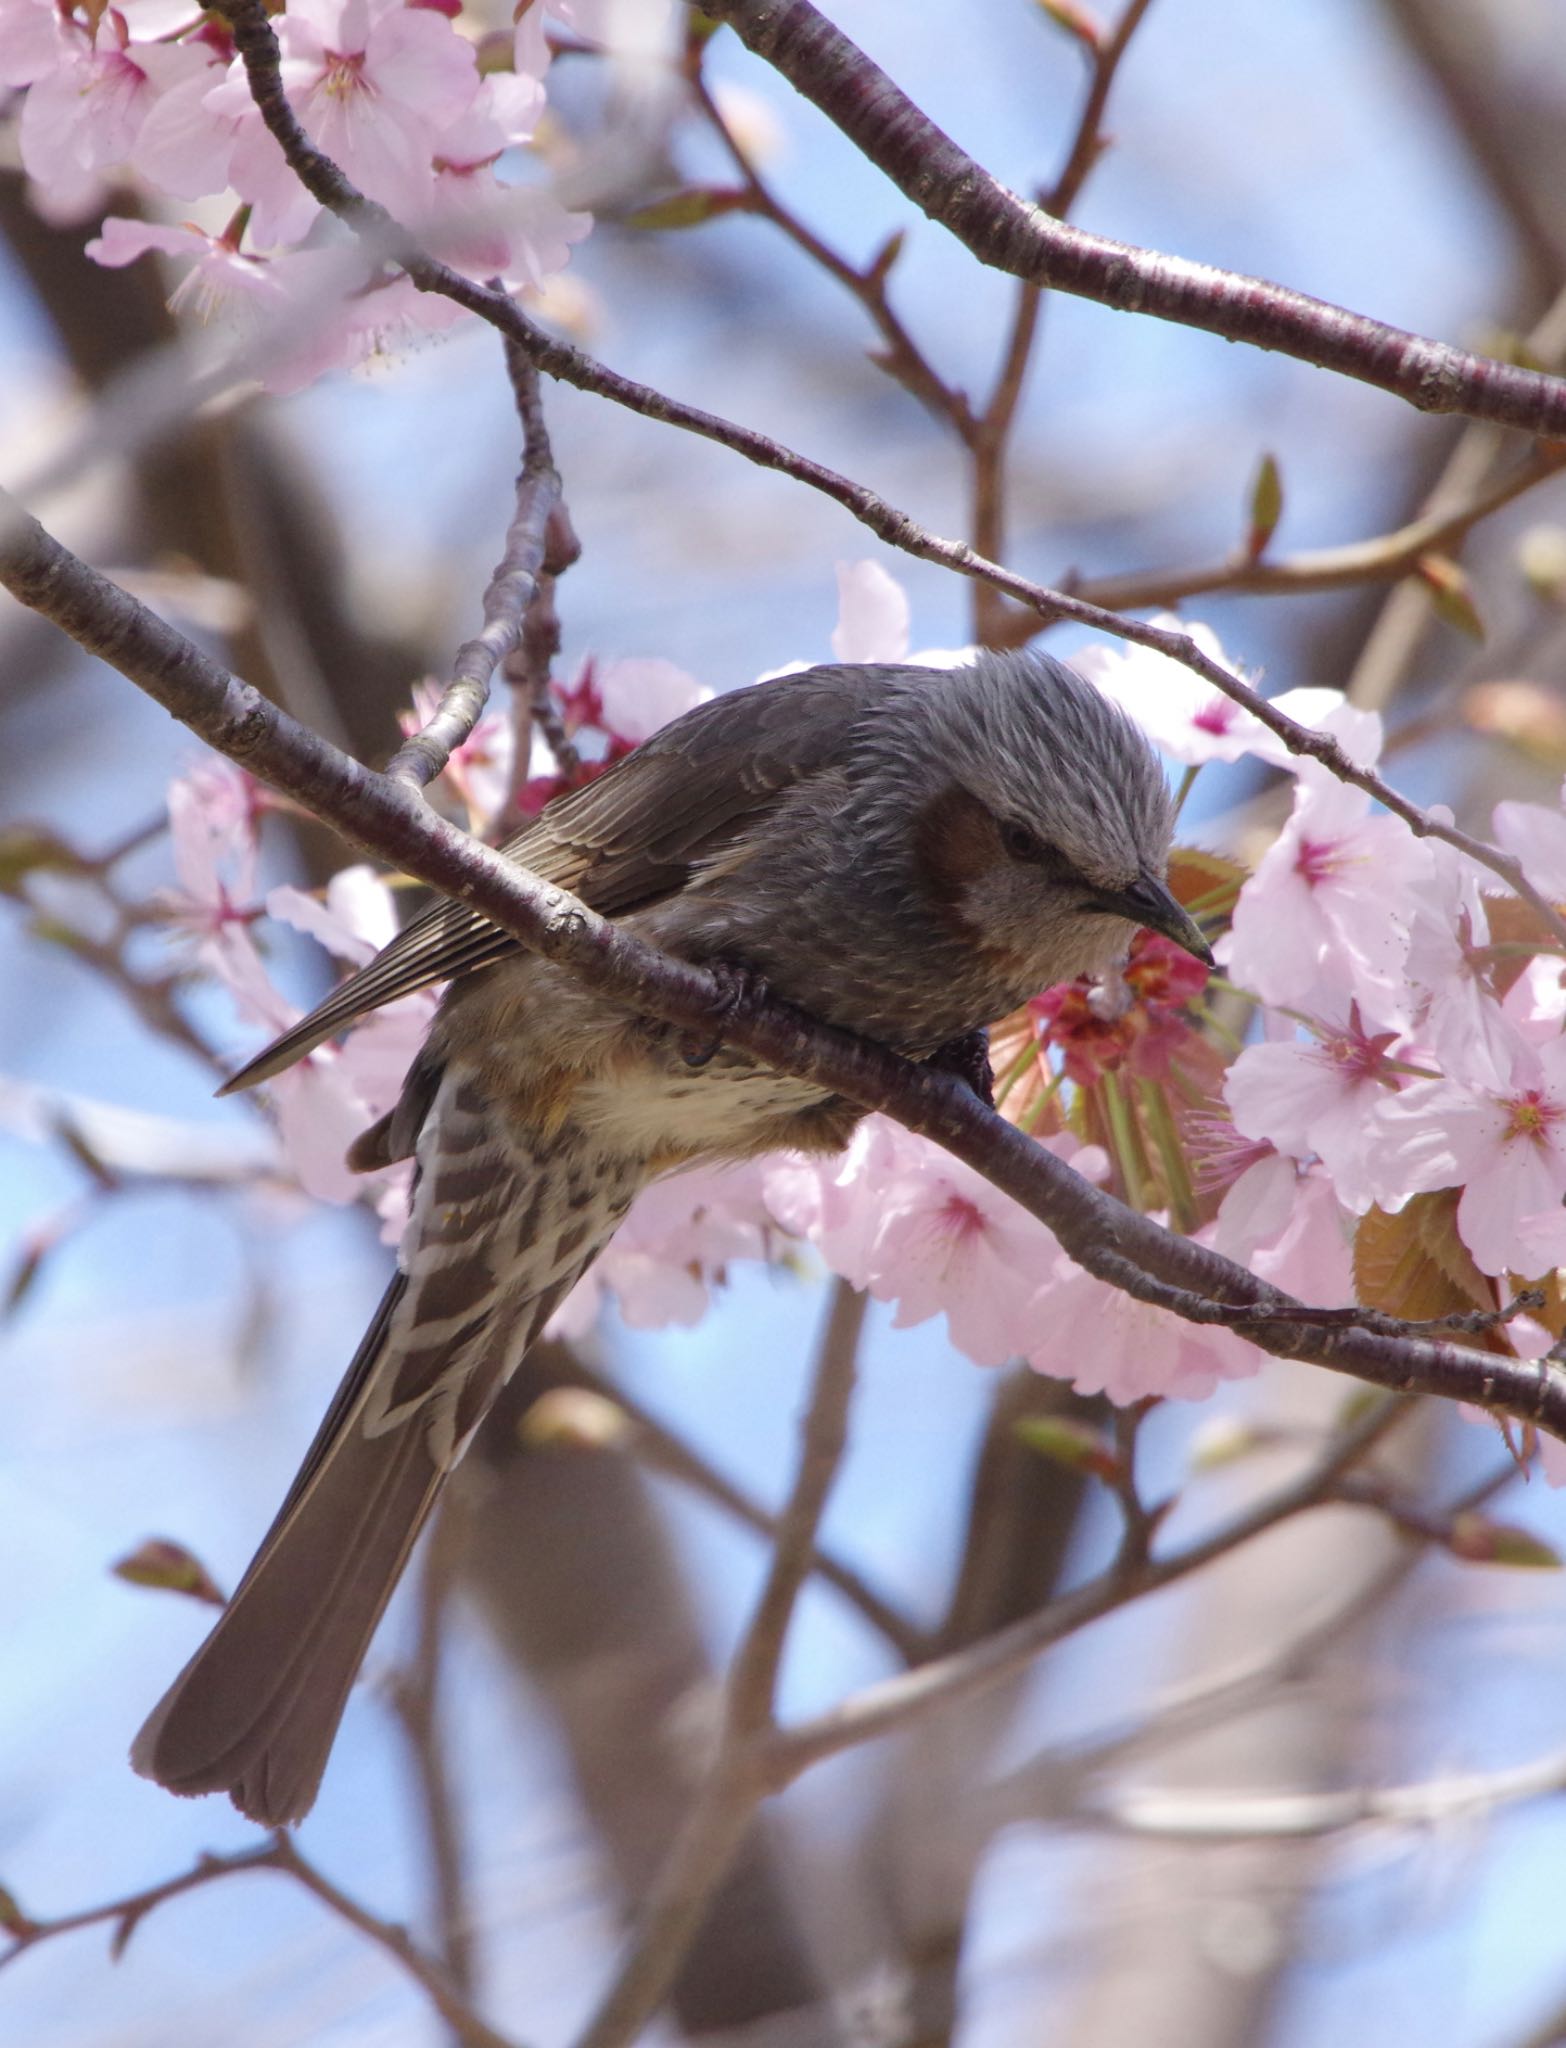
x: 872, y: 614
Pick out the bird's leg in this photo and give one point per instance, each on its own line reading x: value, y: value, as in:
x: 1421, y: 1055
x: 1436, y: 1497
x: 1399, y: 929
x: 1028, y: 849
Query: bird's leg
x: 968, y: 1058
x: 744, y: 990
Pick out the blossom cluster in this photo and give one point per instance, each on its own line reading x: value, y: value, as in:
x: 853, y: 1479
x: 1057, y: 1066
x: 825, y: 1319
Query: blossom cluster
x: 149, y: 95
x: 1367, y: 1102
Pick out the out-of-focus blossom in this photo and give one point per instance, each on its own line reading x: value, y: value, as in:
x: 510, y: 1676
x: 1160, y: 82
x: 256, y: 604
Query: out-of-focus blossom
x: 212, y: 835
x: 33, y: 41
x: 221, y: 283
x: 872, y: 614
x: 636, y: 32
x: 1195, y: 722
x: 674, y: 1246
x: 1105, y: 1341
x: 637, y: 697
x: 1536, y: 835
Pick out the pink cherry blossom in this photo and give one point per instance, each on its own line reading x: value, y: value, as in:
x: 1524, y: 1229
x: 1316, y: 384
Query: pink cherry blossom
x: 1194, y: 721
x: 1504, y: 1145
x: 82, y: 118
x: 1460, y: 1018
x: 374, y: 83
x: 33, y: 41
x: 1316, y: 1096
x: 1311, y: 1257
x: 674, y: 1246
x: 220, y: 283
x: 1329, y: 910
x: 1105, y: 1341
x: 212, y: 837
x: 357, y: 918
x: 1257, y: 1206
x: 319, y: 1113
x: 872, y: 614
x: 185, y: 147
x: 348, y: 314
x: 1189, y: 718
x: 1536, y: 835
x: 637, y: 697
x: 896, y: 1214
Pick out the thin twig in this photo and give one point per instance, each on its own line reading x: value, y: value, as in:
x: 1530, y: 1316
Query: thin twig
x: 891, y: 1704
x: 511, y: 588
x: 664, y: 1451
x: 685, y: 1886
x: 1116, y: 1244
x: 902, y: 358
x: 280, y: 1853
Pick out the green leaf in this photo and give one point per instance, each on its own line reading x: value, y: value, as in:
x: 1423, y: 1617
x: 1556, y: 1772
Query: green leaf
x: 170, y: 1568
x: 1450, y: 594
x: 12, y: 1919
x: 1266, y: 507
x: 1071, y: 1444
x: 690, y: 208
x: 884, y: 257
x: 24, y: 848
x: 1076, y: 21
x: 1478, y: 1540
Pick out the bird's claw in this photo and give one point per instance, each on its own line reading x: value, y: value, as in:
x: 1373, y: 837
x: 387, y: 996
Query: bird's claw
x: 968, y: 1058
x: 743, y: 993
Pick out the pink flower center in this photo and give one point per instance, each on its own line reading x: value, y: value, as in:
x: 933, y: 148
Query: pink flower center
x: 1318, y: 860
x: 1217, y: 715
x: 344, y: 75
x: 961, y: 1219
x: 1529, y: 1116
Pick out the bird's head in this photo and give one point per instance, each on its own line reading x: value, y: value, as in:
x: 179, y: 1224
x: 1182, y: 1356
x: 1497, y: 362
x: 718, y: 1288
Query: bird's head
x: 1039, y: 819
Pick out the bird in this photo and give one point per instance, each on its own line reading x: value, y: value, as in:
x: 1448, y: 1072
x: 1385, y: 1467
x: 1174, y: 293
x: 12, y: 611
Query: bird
x: 905, y: 852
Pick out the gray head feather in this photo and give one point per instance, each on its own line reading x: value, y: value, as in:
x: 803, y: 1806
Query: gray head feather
x: 1037, y: 743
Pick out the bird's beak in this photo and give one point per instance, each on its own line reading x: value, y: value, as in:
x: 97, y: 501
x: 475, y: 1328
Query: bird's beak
x: 1148, y: 903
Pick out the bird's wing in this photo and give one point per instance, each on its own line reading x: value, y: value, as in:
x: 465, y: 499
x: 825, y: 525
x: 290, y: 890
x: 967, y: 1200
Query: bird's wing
x: 626, y: 840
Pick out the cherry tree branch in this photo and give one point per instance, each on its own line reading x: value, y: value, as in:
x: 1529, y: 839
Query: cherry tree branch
x: 279, y: 1853
x: 1006, y: 233
x: 390, y: 821
x: 511, y: 589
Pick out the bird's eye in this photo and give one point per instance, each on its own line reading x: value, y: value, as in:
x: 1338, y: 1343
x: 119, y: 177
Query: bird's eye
x: 1019, y: 842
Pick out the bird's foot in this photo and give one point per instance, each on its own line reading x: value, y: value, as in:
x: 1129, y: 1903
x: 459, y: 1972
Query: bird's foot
x: 968, y: 1058
x: 744, y: 991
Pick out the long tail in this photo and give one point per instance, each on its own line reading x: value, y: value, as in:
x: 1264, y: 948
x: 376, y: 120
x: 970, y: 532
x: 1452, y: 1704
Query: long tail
x: 501, y: 1231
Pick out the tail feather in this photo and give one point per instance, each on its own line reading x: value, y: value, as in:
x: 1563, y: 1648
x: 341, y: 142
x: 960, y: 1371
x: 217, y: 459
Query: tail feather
x: 255, y: 1710
x: 501, y: 1228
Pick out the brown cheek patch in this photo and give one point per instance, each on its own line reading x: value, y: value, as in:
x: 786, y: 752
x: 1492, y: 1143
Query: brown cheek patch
x: 955, y: 841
